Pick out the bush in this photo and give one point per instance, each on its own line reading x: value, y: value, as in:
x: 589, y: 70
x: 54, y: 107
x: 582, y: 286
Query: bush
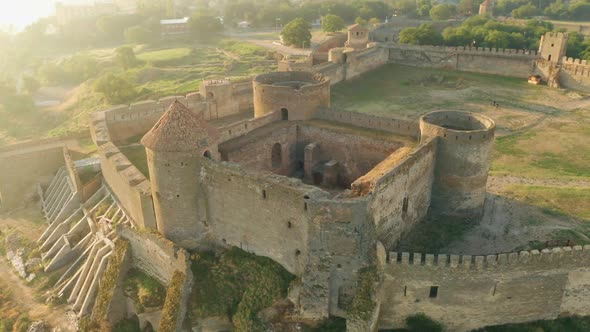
x: 297, y: 33
x: 138, y: 35
x: 116, y: 89
x: 150, y: 293
x: 443, y: 12
x: 422, y: 323
x: 126, y: 57
x: 363, y: 303
x: 425, y: 34
x: 74, y: 70
x: 332, y: 23
x: 525, y: 11
x: 236, y: 284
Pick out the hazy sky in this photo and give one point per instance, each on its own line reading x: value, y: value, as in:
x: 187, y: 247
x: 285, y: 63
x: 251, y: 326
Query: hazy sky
x: 20, y: 13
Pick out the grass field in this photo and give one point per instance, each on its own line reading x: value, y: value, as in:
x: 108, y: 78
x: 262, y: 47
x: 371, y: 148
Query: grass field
x: 165, y: 69
x: 567, y: 201
x: 136, y: 155
x: 535, y: 138
x: 542, y: 136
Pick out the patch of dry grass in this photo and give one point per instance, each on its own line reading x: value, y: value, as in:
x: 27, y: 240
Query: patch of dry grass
x: 567, y: 201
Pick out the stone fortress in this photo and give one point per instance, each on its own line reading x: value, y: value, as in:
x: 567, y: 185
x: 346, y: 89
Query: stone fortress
x: 322, y: 192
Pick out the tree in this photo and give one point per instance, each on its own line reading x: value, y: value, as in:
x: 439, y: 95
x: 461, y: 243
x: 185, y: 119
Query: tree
x: 297, y: 33
x: 526, y: 11
x: 460, y: 36
x: 498, y: 39
x: 576, y: 45
x: 52, y: 73
x: 360, y: 21
x: 204, y: 25
x: 425, y: 34
x: 112, y: 28
x: 467, y: 7
x: 30, y: 84
x: 405, y: 7
x: 125, y: 56
x: 442, y: 12
x: 423, y: 10
x: 332, y: 23
x: 374, y: 21
x: 580, y: 11
x: 7, y: 88
x: 116, y: 89
x: 12, y: 101
x: 137, y: 35
x: 557, y: 10
x: 422, y: 323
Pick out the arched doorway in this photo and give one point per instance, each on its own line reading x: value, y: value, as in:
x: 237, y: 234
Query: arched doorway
x: 207, y: 154
x: 276, y: 156
x: 284, y: 114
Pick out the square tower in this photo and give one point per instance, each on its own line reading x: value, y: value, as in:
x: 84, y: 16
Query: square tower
x: 553, y: 46
x: 358, y: 37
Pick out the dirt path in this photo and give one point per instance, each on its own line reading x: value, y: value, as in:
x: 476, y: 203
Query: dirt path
x: 576, y: 104
x: 498, y: 183
x: 24, y: 297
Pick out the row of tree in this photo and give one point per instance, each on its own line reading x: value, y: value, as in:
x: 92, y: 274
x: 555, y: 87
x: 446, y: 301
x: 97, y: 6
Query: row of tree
x: 556, y: 9
x: 479, y: 31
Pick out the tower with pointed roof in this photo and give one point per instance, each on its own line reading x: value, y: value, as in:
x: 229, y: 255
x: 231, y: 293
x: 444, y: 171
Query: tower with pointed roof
x: 176, y: 148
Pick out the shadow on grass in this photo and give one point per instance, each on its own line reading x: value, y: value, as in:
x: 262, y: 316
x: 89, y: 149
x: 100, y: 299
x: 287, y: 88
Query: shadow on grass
x: 508, y: 225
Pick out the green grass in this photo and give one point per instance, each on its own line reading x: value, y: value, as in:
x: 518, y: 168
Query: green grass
x: 148, y: 292
x: 566, y: 324
x: 242, y: 48
x: 137, y: 156
x: 166, y: 55
x: 554, y: 200
x: 554, y: 148
x: 546, y: 151
x: 237, y: 285
x: 434, y: 234
x: 508, y: 144
x: 127, y: 325
x: 363, y: 304
x: 404, y: 91
x: 166, y: 69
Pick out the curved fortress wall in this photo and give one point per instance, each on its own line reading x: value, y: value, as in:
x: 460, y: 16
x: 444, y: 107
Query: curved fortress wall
x: 298, y: 95
x: 462, y: 163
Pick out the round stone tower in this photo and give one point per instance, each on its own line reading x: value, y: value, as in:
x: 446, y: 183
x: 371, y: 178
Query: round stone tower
x: 297, y: 95
x: 463, y: 157
x: 176, y: 147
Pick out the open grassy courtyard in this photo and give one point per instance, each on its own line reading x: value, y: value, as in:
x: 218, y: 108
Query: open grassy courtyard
x: 540, y: 174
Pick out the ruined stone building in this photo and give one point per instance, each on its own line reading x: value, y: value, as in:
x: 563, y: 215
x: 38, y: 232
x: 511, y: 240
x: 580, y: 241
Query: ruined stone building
x: 324, y: 193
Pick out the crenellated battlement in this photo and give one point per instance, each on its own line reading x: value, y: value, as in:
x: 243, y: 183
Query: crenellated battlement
x: 576, y: 67
x: 469, y: 50
x: 150, y: 107
x: 554, y: 256
x: 566, y: 61
x: 404, y: 127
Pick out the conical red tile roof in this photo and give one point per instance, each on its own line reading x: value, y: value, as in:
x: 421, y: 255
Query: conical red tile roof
x: 179, y: 129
